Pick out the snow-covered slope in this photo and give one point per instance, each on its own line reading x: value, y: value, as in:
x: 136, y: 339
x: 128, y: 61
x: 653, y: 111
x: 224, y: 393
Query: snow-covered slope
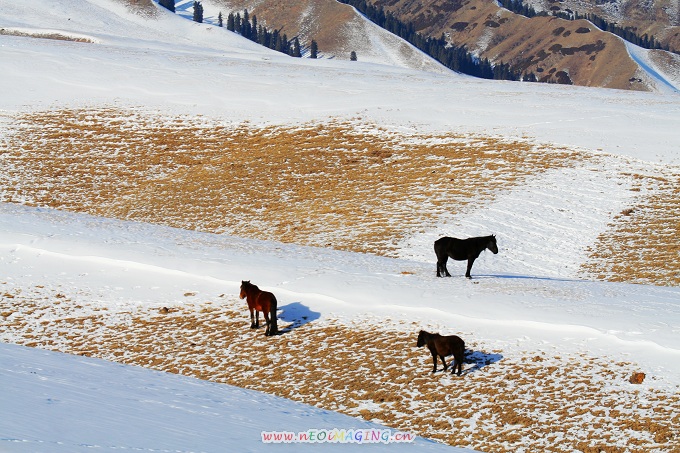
x: 174, y: 65
x: 54, y: 402
x: 110, y: 22
x: 664, y: 78
x: 119, y: 268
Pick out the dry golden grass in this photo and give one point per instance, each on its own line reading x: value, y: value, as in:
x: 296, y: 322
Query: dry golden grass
x: 42, y: 35
x: 143, y: 8
x: 642, y: 245
x: 539, y: 401
x: 348, y: 186
x: 332, y: 185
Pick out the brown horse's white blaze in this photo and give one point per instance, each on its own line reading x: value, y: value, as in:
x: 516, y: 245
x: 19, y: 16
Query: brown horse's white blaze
x: 260, y: 301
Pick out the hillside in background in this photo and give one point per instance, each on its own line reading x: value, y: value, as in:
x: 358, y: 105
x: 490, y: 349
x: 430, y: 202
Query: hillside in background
x: 337, y: 29
x: 657, y: 18
x: 548, y: 49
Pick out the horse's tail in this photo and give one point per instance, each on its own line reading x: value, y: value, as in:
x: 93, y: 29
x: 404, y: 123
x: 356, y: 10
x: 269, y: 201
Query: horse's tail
x: 274, y: 328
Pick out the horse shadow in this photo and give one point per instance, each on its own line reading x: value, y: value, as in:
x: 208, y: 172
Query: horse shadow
x: 297, y: 315
x: 523, y: 277
x: 479, y: 359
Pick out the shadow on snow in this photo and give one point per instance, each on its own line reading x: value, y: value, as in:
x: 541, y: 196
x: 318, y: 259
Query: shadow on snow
x: 522, y: 277
x: 297, y: 315
x: 479, y: 359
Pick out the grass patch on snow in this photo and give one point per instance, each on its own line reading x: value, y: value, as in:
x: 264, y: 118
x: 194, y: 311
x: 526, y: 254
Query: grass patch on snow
x: 345, y: 185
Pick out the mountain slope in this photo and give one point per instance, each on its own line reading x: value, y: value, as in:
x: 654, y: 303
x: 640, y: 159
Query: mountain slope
x: 554, y: 50
x: 657, y: 18
x: 338, y: 30
x: 551, y: 49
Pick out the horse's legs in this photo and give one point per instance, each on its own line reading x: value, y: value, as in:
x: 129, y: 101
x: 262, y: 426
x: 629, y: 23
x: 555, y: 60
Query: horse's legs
x: 434, y: 361
x: 469, y: 267
x: 270, y: 324
x: 436, y: 252
x: 441, y: 266
x: 266, y: 321
x: 446, y: 271
x: 457, y: 364
x: 444, y: 362
x: 252, y: 320
x: 273, y: 325
x: 257, y: 319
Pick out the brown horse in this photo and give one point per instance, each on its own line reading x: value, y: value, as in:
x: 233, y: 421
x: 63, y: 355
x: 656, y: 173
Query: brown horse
x: 260, y: 301
x: 442, y: 346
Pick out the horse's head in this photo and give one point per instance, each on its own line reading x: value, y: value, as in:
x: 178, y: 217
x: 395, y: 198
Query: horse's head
x: 422, y: 338
x: 492, y: 244
x: 244, y: 286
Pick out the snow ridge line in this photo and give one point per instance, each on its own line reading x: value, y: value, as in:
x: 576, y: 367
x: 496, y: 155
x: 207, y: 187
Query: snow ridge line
x: 586, y: 331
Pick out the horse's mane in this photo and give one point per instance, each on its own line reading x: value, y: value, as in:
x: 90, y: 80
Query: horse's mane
x: 427, y: 334
x: 249, y: 285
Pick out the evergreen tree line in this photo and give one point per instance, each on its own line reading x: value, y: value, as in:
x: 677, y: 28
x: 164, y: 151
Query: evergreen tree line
x: 198, y: 12
x: 248, y: 27
x: 453, y: 57
x: 648, y: 42
x: 167, y: 4
x: 518, y: 7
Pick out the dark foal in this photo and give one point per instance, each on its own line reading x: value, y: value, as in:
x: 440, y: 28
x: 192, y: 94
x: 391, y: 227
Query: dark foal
x: 442, y: 346
x: 461, y: 249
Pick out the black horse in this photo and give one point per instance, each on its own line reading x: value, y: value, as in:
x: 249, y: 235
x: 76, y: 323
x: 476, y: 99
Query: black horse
x: 460, y: 250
